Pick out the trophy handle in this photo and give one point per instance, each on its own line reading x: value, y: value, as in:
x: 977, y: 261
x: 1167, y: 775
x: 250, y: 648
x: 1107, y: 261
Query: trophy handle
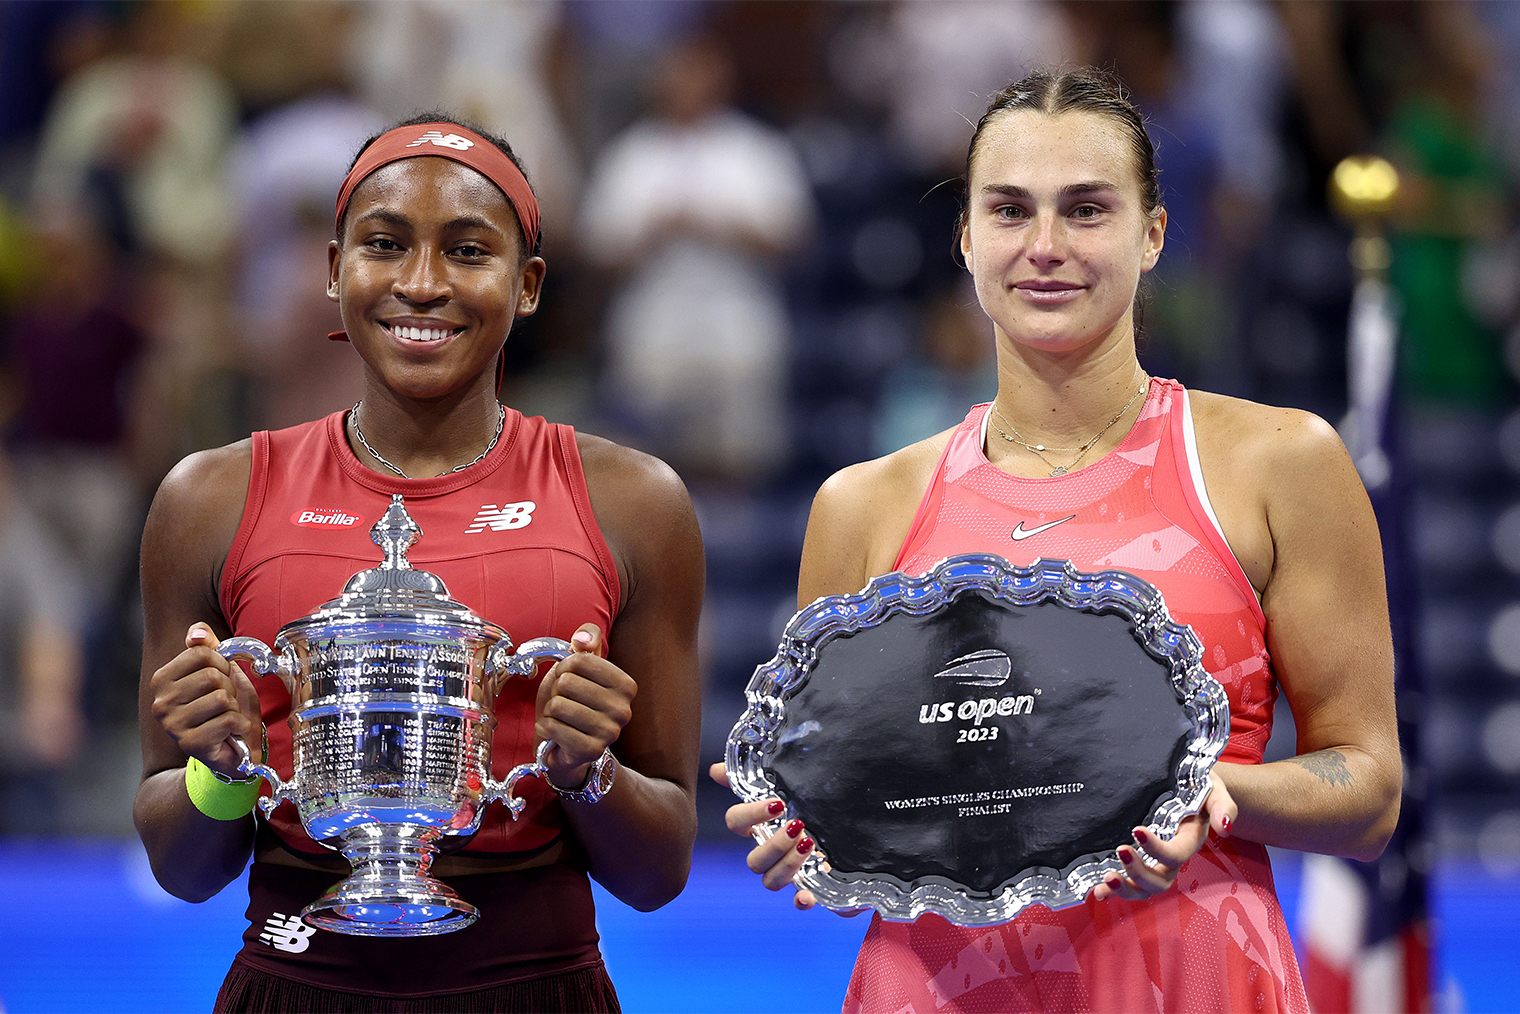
x: 265, y: 661
x: 525, y: 660
x: 505, y: 790
x: 280, y: 790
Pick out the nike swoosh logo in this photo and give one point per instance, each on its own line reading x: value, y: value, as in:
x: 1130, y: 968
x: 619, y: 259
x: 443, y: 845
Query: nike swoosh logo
x: 1019, y: 534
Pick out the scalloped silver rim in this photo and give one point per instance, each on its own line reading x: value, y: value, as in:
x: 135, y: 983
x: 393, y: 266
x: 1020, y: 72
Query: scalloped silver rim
x: 1046, y: 580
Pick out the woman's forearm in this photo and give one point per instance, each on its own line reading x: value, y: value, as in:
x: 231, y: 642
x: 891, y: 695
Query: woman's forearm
x: 193, y: 856
x: 1341, y: 801
x: 638, y: 838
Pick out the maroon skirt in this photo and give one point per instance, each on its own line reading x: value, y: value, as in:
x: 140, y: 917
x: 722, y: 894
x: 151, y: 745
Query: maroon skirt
x: 247, y: 989
x: 534, y: 947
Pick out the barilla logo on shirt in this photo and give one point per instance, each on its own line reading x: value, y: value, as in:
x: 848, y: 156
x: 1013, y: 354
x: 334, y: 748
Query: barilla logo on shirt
x: 325, y: 518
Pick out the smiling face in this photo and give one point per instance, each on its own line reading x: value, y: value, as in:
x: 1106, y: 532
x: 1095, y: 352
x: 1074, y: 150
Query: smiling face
x: 1056, y: 233
x: 429, y: 275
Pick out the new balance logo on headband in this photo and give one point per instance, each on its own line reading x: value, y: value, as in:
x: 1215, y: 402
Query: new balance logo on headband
x: 444, y: 141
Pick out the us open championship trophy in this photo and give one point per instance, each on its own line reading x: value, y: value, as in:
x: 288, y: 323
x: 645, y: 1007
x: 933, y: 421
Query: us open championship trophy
x: 392, y: 688
x: 981, y: 738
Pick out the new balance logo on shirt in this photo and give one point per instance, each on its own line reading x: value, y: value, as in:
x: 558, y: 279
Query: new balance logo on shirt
x: 444, y: 141
x: 500, y: 519
x: 287, y: 933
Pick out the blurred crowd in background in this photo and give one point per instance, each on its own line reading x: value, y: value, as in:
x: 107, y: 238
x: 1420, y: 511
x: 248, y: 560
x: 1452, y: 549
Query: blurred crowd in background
x: 748, y: 212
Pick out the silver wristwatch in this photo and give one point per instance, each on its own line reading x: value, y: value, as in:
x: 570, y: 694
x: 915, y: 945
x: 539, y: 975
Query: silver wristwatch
x: 598, y: 781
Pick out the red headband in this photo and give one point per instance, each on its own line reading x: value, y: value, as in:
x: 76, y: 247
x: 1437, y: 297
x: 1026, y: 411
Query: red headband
x: 458, y: 144
x: 450, y: 141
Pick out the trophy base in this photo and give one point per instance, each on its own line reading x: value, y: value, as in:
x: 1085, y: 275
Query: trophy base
x: 390, y: 893
x: 417, y: 908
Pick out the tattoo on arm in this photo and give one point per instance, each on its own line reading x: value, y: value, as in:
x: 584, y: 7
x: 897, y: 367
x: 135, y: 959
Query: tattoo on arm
x: 1328, y: 766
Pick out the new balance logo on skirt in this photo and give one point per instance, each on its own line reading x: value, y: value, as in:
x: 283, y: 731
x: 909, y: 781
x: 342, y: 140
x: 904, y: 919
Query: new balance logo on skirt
x: 499, y: 519
x: 287, y: 933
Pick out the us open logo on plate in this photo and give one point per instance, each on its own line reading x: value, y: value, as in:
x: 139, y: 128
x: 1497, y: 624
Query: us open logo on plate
x: 326, y: 518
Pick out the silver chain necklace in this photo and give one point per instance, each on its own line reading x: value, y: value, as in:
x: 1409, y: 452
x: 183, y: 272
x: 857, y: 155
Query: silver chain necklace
x: 1038, y: 449
x: 501, y: 421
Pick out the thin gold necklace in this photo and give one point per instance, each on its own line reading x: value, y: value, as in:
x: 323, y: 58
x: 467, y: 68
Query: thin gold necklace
x: 501, y: 419
x: 1038, y: 449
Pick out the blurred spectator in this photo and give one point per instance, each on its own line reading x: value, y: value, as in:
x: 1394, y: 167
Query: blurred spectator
x: 937, y: 62
x: 1209, y: 78
x: 16, y: 256
x: 283, y: 170
x: 694, y: 203
x: 957, y: 369
x: 42, y: 718
x: 1234, y: 65
x: 72, y: 354
x: 615, y: 43
x: 1451, y: 187
x: 283, y: 173
x: 275, y: 54
x: 41, y: 43
x: 487, y: 62
x: 133, y: 149
x: 135, y: 140
x: 1412, y: 80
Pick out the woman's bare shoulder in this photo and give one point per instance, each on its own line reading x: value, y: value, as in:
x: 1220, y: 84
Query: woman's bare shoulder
x: 208, y: 485
x: 884, y: 485
x: 1270, y: 472
x: 861, y: 516
x: 632, y: 492
x: 644, y: 512
x: 1254, y: 435
x: 189, y: 532
x: 625, y: 469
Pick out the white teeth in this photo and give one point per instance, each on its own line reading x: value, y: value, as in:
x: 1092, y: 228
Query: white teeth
x: 420, y: 334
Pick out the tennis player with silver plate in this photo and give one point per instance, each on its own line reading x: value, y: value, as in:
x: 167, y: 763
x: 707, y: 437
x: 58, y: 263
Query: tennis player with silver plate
x: 980, y: 738
x: 392, y: 687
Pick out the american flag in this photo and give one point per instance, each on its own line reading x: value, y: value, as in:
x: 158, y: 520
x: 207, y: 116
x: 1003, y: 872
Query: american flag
x: 1365, y: 926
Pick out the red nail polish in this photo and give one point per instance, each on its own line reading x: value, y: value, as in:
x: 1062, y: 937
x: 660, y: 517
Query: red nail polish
x: 805, y: 846
x: 1126, y: 854
x: 793, y: 828
x: 1141, y: 836
x: 774, y: 807
x: 1225, y: 823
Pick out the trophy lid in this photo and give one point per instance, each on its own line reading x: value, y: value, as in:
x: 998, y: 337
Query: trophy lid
x: 396, y: 589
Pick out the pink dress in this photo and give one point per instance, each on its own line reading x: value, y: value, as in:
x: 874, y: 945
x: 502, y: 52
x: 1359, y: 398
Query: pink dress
x: 1217, y: 942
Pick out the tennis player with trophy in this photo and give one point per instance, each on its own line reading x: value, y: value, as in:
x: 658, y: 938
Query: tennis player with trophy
x: 471, y: 640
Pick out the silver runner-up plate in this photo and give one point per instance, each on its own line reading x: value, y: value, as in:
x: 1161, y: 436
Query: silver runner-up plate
x: 980, y: 738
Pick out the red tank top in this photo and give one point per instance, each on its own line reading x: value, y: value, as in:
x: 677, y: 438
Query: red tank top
x: 1217, y: 942
x: 512, y: 537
